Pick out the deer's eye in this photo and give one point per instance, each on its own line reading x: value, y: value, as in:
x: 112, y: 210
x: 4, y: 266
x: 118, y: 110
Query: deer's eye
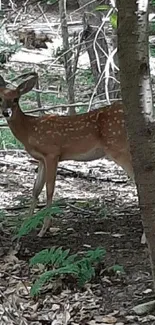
x: 15, y: 100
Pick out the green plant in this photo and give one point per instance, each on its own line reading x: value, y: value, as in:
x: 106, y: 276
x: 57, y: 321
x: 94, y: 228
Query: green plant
x: 85, y: 77
x: 11, y: 74
x: 46, y: 98
x: 152, y: 50
x: 8, y: 141
x: 62, y: 263
x: 82, y: 109
x: 2, y: 215
x: 113, y: 15
x: 116, y: 268
x: 31, y: 96
x: 53, y: 99
x: 37, y: 219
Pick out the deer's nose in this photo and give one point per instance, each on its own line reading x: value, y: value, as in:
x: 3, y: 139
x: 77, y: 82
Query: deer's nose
x: 7, y: 112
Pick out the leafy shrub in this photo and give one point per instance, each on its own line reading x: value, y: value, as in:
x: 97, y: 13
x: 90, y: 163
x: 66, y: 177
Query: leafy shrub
x: 62, y: 263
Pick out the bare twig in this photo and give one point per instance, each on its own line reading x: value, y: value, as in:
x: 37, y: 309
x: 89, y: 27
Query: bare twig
x: 45, y: 17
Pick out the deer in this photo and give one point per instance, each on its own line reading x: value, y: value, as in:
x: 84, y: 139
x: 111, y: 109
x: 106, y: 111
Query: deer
x: 50, y: 139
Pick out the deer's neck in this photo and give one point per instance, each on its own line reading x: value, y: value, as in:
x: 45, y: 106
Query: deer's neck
x: 18, y: 124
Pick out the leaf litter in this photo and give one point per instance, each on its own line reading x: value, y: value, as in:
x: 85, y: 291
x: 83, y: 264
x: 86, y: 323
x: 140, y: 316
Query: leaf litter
x: 108, y: 300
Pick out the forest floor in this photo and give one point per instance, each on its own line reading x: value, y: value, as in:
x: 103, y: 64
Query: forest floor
x: 100, y: 210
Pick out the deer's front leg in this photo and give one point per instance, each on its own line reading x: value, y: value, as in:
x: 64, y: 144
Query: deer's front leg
x: 38, y: 186
x: 51, y: 164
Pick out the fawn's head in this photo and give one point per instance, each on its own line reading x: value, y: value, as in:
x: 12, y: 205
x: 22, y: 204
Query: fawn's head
x: 9, y: 98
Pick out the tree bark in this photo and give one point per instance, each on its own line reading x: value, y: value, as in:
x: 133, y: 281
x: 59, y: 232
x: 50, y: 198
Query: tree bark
x: 133, y: 56
x: 67, y: 56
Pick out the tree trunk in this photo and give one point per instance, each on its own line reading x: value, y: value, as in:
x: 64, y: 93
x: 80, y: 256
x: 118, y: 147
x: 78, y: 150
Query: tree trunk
x: 67, y: 56
x: 137, y: 97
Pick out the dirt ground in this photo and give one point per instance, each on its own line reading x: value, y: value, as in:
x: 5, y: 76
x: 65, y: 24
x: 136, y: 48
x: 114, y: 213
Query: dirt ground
x: 106, y: 215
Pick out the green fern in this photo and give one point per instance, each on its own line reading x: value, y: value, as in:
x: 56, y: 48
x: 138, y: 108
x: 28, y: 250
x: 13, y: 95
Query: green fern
x: 86, y: 272
x: 116, y: 268
x: 54, y: 256
x: 49, y: 275
x: 95, y: 255
x: 57, y: 257
x: 63, y: 263
x: 37, y: 219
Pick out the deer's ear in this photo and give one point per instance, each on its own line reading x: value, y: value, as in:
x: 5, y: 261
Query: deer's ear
x: 28, y: 83
x: 2, y: 82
